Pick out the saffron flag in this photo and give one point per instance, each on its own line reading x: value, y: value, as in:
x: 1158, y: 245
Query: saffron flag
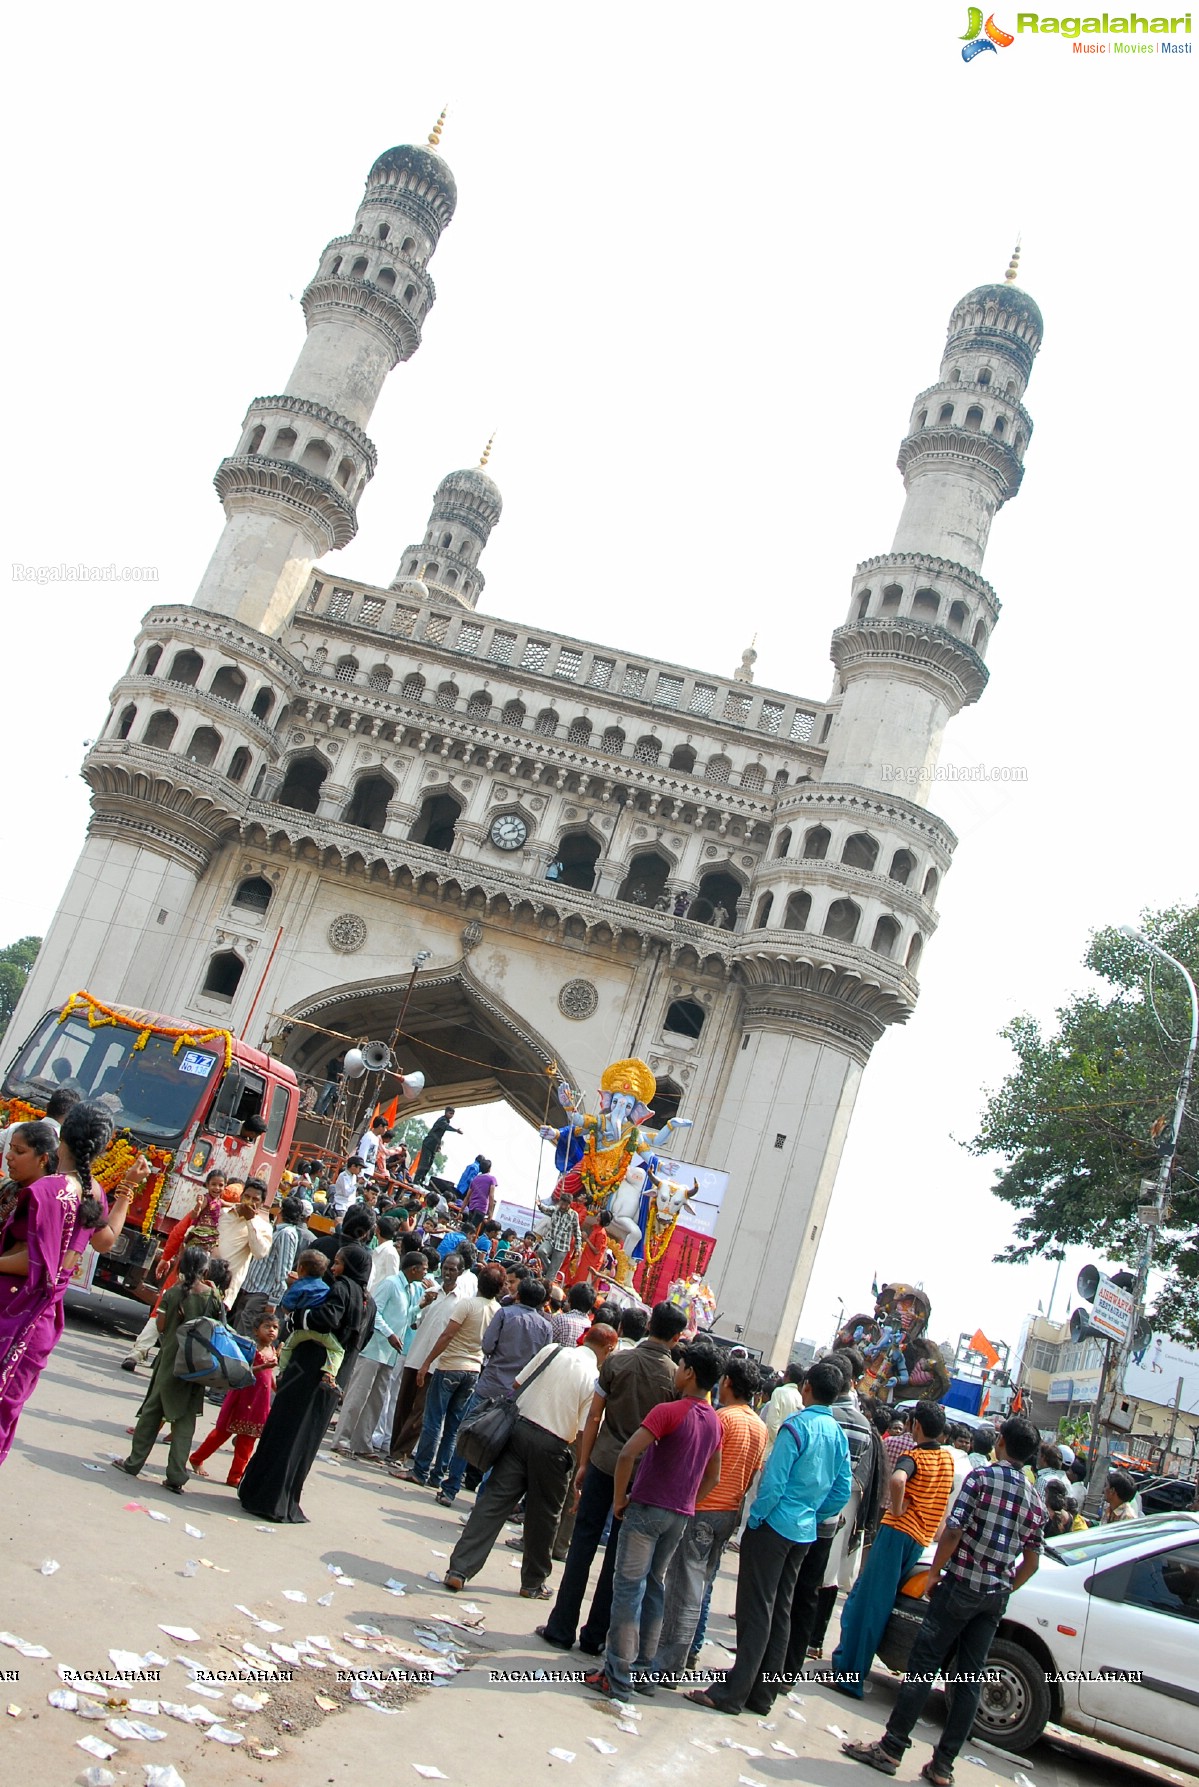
x: 981, y: 1345
x: 986, y: 1401
x: 1018, y: 1403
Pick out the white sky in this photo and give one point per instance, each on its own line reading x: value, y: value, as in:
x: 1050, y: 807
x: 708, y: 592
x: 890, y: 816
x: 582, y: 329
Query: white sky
x: 702, y: 262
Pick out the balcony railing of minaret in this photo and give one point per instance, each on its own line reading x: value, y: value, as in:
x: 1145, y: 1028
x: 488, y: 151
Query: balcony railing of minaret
x: 165, y: 693
x: 990, y: 392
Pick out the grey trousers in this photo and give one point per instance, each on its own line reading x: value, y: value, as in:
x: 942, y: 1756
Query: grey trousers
x: 536, y: 1464
x: 692, y: 1568
x: 360, y: 1412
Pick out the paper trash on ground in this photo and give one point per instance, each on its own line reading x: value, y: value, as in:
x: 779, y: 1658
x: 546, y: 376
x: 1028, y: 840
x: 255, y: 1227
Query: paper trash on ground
x: 428, y: 1773
x: 95, y: 1747
x: 181, y: 1634
x: 224, y: 1736
x: 602, y: 1745
x: 294, y: 1594
x: 162, y: 1775
x: 563, y: 1755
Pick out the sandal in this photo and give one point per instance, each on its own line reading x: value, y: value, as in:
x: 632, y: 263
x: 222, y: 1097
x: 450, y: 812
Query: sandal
x: 536, y: 1594
x: 936, y: 1777
x: 453, y: 1582
x: 873, y: 1755
x: 702, y: 1698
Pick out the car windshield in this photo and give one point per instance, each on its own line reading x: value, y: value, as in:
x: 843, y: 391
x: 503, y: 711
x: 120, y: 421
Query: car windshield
x: 1097, y: 1541
x: 153, y: 1091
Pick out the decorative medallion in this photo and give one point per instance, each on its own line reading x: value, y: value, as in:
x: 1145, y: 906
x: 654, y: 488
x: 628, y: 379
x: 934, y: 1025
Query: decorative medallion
x: 297, y: 738
x: 347, y: 933
x: 472, y: 936
x: 578, y: 999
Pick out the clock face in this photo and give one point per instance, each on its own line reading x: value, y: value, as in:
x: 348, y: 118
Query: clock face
x: 508, y: 831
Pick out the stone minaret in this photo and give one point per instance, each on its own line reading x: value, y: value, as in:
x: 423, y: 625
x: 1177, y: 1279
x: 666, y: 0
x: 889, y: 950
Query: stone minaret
x: 290, y: 489
x: 466, y: 506
x: 859, y: 862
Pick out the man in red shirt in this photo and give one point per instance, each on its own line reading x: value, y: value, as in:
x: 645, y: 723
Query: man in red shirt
x: 677, y: 1452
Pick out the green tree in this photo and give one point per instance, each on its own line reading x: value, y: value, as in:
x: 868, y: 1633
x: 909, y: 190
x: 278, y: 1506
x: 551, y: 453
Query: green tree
x: 1085, y: 1116
x: 15, y: 962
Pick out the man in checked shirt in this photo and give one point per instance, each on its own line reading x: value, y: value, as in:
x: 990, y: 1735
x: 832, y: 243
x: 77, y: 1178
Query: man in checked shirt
x: 991, y: 1544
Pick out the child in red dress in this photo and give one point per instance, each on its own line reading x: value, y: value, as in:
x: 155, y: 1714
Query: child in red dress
x: 244, y: 1412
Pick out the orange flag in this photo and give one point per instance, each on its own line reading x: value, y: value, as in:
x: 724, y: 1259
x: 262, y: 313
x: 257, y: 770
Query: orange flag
x: 981, y: 1345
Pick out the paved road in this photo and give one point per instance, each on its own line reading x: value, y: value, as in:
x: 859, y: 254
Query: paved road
x: 122, y: 1574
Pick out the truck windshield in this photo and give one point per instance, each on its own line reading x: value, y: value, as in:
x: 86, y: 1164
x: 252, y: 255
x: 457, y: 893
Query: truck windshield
x: 152, y: 1091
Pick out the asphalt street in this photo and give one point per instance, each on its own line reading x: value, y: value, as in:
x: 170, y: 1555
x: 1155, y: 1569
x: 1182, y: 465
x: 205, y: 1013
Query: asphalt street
x: 123, y: 1575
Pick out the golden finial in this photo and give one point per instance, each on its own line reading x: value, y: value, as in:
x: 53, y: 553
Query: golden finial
x: 435, y: 133
x: 487, y: 451
x: 1013, y: 264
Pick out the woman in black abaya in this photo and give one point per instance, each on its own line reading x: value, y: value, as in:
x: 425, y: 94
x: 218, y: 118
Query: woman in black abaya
x: 305, y: 1401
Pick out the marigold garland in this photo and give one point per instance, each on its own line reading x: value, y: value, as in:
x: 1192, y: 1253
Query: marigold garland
x: 111, y: 1167
x: 652, y: 1227
x: 99, y: 1015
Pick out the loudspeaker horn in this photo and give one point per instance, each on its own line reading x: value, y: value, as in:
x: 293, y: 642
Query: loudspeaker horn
x: 1087, y: 1283
x: 377, y: 1057
x: 412, y: 1085
x: 354, y: 1065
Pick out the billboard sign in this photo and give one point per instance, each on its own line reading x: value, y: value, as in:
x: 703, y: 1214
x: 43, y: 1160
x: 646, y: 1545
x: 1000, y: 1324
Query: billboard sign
x: 1112, y: 1311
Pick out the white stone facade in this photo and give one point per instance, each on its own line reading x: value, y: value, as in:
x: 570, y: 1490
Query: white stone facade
x: 303, y: 782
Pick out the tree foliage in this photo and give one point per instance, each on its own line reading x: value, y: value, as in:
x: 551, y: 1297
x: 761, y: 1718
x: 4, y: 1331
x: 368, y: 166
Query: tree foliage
x: 16, y: 959
x: 1086, y: 1114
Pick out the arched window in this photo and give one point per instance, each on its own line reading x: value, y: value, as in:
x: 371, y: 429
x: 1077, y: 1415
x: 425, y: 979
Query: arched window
x: 383, y: 231
x: 926, y: 604
x: 860, y: 851
x: 798, y: 911
x: 185, y: 668
x: 781, y: 778
x: 205, y: 744
x: 719, y: 769
x: 647, y: 749
x: 407, y: 245
x: 379, y: 678
x: 302, y: 784
x: 716, y: 901
x: 262, y: 704
x: 285, y: 443
x: 984, y: 377
x: 335, y: 269
x: 980, y: 637
x: 1009, y: 390
x: 999, y: 427
x: 346, y: 669
x: 447, y: 541
x: 254, y: 444
x: 946, y: 414
x: 955, y: 375
x: 957, y: 616
x: 684, y: 1017
x: 345, y: 473
x: 125, y: 723
x: 434, y: 827
x: 161, y: 731
x: 317, y: 455
x: 224, y: 975
x: 892, y: 597
x: 579, y: 732
x: 413, y: 688
x: 613, y: 741
x: 931, y: 883
x: 864, y: 605
x: 368, y: 804
x: 358, y: 270
x: 239, y: 763
x: 667, y: 1100
x: 478, y: 705
x: 645, y: 883
x: 753, y: 777
x: 762, y: 916
x: 150, y: 661
x: 914, y: 949
x: 1019, y: 443
x: 842, y: 921
x: 254, y: 894
x: 514, y: 713
x: 974, y: 418
x: 546, y: 722
x: 574, y: 864
x: 783, y: 842
x: 922, y: 419
x: 385, y: 279
x: 902, y: 864
x: 815, y: 844
x: 409, y: 293
x: 683, y: 758
x: 886, y: 936
x: 229, y: 684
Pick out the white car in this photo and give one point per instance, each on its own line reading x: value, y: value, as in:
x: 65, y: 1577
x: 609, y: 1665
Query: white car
x: 1103, y: 1640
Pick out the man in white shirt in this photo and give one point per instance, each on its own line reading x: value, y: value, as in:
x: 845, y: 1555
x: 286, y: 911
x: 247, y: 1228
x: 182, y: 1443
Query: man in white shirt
x: 345, y: 1186
x: 385, y: 1261
x: 57, y: 1106
x: 537, y: 1462
x: 243, y: 1234
x: 367, y: 1149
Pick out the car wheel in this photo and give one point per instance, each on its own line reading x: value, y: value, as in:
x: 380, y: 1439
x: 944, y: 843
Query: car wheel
x: 1015, y: 1706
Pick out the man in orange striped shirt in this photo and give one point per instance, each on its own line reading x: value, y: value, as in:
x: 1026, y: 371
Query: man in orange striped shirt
x: 921, y: 1486
x: 695, y: 1563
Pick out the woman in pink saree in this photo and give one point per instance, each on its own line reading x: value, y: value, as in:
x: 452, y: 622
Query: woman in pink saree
x: 48, y: 1223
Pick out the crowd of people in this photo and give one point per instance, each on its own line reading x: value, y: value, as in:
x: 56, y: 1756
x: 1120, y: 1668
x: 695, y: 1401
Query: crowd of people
x: 443, y: 1348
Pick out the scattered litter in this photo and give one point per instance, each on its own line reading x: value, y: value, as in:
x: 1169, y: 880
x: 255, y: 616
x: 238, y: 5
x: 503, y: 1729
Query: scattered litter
x: 346, y: 1582
x: 395, y: 1587
x: 193, y: 1532
x: 1022, y: 1781
x: 976, y: 1760
x: 372, y: 1631
x: 147, y: 1708
x: 437, y: 1553
x: 469, y: 1607
x: 23, y: 1646
x: 748, y: 1781
x: 730, y: 1743
x: 131, y: 1659
x: 92, y: 1467
x: 209, y: 1565
x: 842, y: 1737
x: 96, y: 1777
x: 627, y: 1725
x: 325, y: 1704
x: 797, y: 1699
x: 162, y: 1775
x: 701, y: 1743
x: 91, y: 1709
x: 432, y: 1575
x: 515, y: 1564
x: 263, y: 1529
x: 792, y: 1714
x: 223, y: 1735
x: 325, y: 1600
x: 155, y: 1515
x: 294, y: 1594
x: 784, y: 1749
x: 255, y: 1650
x: 208, y: 1693
x: 286, y: 1653
x: 563, y: 1755
x: 135, y: 1508
x: 181, y: 1634
x: 50, y: 1566
x: 190, y: 1568
x: 13, y: 1710
x: 266, y: 1752
x: 254, y: 1703
x: 334, y: 1569
x: 320, y: 1643
x: 96, y: 1747
x: 427, y: 1773
x: 64, y: 1699
x: 602, y: 1745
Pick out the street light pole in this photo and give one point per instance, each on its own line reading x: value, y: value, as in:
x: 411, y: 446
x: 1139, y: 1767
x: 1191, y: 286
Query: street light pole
x: 1155, y: 1214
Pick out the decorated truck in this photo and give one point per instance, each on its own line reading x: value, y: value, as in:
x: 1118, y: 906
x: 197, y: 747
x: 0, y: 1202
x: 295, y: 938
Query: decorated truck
x: 180, y: 1094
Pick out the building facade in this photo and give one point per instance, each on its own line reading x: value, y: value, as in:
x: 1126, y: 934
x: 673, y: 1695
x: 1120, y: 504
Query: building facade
x: 303, y: 782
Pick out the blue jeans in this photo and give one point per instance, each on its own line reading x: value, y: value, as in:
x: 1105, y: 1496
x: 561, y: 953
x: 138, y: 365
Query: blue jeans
x: 591, y: 1517
x: 864, y: 1616
x: 458, y: 1465
x: 648, y: 1538
x: 960, y: 1623
x: 445, y: 1404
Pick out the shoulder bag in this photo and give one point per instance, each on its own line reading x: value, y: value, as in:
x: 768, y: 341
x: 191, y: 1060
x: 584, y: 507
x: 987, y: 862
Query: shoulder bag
x: 486, y: 1431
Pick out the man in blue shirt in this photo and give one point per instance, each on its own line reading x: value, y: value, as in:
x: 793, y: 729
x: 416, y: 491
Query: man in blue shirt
x: 807, y: 1480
